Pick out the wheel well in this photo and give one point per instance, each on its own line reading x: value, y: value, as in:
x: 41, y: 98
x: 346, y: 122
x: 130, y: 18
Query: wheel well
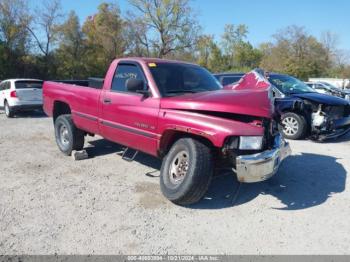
x: 60, y: 108
x: 170, y: 137
x: 301, y: 113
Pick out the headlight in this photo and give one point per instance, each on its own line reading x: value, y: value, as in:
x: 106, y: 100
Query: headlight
x: 250, y: 142
x: 347, y: 97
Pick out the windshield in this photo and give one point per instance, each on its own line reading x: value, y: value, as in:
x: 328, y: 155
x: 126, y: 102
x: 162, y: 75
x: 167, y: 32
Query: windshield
x: 176, y: 79
x: 289, y: 85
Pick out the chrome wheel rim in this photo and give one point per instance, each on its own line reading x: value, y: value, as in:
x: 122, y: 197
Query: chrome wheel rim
x: 290, y: 126
x: 179, y: 167
x: 64, y: 135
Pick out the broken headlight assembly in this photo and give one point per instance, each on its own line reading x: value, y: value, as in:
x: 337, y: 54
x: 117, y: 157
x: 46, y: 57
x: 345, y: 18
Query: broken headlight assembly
x: 246, y: 143
x: 251, y: 142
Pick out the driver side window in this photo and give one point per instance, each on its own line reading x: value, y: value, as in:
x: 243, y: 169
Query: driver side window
x: 123, y: 73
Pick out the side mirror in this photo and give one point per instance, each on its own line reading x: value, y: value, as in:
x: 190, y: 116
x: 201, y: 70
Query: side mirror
x: 134, y: 85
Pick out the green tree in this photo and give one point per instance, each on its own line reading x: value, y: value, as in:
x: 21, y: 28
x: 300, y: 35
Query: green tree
x: 14, y: 39
x: 217, y: 61
x: 169, y: 25
x: 44, y: 30
x: 105, y: 39
x: 136, y: 34
x: 209, y: 55
x: 295, y: 52
x: 246, y: 56
x: 204, y: 49
x: 71, y: 50
x: 232, y: 37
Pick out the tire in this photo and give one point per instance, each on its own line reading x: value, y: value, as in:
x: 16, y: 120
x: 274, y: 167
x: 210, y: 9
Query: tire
x: 196, y: 164
x: 293, y: 126
x: 8, y: 111
x: 68, y: 136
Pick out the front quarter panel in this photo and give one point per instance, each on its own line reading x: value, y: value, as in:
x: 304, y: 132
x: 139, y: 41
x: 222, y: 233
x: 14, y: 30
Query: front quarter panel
x: 214, y: 129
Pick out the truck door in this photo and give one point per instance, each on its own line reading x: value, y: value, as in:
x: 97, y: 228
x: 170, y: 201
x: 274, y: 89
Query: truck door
x: 129, y: 118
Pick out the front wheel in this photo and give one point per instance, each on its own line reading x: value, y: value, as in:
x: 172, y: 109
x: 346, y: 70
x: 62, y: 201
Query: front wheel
x: 68, y: 136
x: 293, y: 126
x: 186, y: 171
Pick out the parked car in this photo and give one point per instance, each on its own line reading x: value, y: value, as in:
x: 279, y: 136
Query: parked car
x: 326, y: 88
x: 305, y: 113
x: 337, y: 82
x: 20, y: 95
x: 228, y: 78
x: 175, y: 111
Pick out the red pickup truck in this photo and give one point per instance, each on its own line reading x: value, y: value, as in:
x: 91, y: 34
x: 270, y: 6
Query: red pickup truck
x: 176, y: 111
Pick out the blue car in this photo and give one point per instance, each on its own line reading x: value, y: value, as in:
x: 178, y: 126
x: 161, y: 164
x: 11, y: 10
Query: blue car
x: 303, y: 111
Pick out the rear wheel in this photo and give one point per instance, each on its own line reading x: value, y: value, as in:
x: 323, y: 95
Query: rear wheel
x: 8, y: 111
x: 68, y: 136
x: 293, y: 126
x: 186, y: 171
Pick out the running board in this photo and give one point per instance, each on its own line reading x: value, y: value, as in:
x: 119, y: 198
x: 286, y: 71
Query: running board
x: 127, y: 156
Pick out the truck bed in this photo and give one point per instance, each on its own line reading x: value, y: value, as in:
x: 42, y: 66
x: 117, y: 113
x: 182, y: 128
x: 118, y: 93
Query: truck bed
x: 92, y: 82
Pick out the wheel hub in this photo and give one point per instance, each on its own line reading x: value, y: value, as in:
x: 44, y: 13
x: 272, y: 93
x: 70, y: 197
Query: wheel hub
x: 290, y: 126
x: 64, y: 135
x: 179, y: 167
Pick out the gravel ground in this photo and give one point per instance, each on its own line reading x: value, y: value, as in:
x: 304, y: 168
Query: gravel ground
x: 104, y: 205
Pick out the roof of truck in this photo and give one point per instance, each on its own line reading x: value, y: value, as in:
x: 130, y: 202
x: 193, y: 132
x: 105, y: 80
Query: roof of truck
x: 155, y: 60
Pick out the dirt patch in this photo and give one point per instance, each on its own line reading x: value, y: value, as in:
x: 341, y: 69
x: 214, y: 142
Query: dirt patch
x: 150, y: 196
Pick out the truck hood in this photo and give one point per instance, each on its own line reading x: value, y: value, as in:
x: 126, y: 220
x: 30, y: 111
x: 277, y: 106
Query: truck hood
x: 322, y: 99
x: 242, y: 102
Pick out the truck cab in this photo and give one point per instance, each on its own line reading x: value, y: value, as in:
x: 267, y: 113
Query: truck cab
x: 176, y: 111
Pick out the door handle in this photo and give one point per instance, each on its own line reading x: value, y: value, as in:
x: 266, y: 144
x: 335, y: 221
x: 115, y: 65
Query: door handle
x: 107, y: 101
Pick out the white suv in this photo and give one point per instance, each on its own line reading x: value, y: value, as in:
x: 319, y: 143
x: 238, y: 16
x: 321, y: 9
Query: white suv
x: 20, y: 95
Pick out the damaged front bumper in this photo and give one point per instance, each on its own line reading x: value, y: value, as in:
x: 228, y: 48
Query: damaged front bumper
x: 262, y: 166
x: 336, y: 129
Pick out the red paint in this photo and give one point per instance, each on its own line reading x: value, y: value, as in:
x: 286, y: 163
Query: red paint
x: 148, y: 124
x: 13, y: 94
x: 251, y: 80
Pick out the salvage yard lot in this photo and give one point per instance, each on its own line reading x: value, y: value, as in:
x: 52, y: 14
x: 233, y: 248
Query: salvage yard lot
x: 105, y: 205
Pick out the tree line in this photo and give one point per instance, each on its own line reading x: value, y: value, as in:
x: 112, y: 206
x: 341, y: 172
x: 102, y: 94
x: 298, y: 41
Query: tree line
x: 46, y: 43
